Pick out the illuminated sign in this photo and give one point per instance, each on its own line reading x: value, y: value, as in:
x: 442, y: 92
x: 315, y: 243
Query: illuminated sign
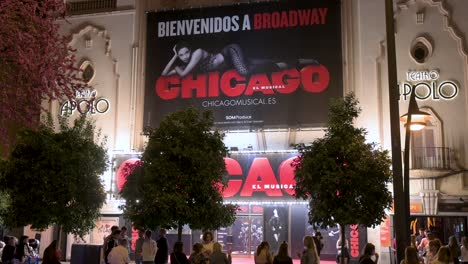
x: 385, y: 239
x: 428, y: 86
x: 85, y: 102
x: 416, y: 208
x: 211, y: 58
x: 354, y: 234
x: 250, y: 175
x: 260, y: 178
x: 413, y: 76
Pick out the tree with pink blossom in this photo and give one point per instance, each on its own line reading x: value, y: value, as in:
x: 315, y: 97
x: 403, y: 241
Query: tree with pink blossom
x: 36, y: 63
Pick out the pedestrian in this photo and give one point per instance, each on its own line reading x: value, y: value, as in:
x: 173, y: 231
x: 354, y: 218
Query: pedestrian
x: 112, y: 242
x: 318, y: 240
x: 139, y: 247
x: 310, y: 255
x: 23, y: 250
x: 9, y: 250
x: 123, y: 235
x: 283, y: 257
x: 3, y: 243
x: 107, y: 239
x: 163, y: 251
x: 443, y: 256
x: 207, y: 243
x: 342, y: 252
x: 119, y: 254
x: 455, y: 251
x: 197, y: 256
x: 263, y: 256
x: 411, y: 256
x: 178, y: 256
x: 431, y: 255
x: 149, y: 248
x: 413, y: 241
x: 369, y: 256
x: 218, y: 257
x: 422, y: 234
x: 423, y: 247
x: 464, y: 249
x: 51, y: 254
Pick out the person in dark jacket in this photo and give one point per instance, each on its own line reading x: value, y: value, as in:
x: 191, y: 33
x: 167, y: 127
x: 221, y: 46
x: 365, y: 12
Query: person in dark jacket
x: 23, y: 250
x: 369, y: 255
x: 111, y: 243
x: 178, y: 256
x: 283, y: 257
x: 51, y: 254
x: 9, y: 250
x: 163, y: 251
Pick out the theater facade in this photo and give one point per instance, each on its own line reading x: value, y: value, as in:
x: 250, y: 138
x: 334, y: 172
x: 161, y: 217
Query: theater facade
x: 297, y: 56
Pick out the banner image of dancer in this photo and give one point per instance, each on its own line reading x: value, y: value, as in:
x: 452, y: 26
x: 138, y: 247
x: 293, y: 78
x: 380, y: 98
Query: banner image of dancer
x: 276, y: 226
x: 255, y: 65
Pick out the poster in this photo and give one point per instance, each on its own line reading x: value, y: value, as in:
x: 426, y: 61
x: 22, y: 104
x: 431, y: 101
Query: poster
x: 102, y: 229
x: 255, y: 65
x: 276, y: 225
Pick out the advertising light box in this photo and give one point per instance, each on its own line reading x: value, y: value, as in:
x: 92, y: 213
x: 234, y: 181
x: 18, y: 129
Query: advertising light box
x: 256, y: 65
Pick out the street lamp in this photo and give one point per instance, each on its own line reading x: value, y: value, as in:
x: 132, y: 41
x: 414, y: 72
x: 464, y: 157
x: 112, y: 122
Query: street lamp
x: 414, y: 120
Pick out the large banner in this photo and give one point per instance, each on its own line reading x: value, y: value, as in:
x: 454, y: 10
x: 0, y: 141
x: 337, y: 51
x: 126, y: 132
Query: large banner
x: 260, y: 176
x: 251, y: 176
x: 256, y: 65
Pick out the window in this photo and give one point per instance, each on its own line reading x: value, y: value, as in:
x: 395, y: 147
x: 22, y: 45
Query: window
x: 87, y: 71
x: 427, y: 149
x: 421, y: 50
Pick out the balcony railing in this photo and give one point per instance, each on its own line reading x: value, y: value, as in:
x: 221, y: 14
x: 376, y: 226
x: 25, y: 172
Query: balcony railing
x: 91, y: 6
x: 432, y: 158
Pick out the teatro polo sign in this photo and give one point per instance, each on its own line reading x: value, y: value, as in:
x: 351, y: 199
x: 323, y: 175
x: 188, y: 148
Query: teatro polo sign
x: 428, y: 86
x: 85, y: 102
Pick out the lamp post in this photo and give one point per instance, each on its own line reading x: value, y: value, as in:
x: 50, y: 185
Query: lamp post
x: 400, y: 182
x: 400, y: 220
x: 414, y: 120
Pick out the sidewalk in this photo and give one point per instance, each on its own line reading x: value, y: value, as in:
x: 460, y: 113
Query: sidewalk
x: 248, y: 260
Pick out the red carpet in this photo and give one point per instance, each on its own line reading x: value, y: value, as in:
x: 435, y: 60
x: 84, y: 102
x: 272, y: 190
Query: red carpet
x: 250, y: 260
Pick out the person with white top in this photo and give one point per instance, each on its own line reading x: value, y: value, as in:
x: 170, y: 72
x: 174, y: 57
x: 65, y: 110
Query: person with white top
x: 149, y: 249
x: 464, y: 249
x: 119, y: 254
x: 207, y: 243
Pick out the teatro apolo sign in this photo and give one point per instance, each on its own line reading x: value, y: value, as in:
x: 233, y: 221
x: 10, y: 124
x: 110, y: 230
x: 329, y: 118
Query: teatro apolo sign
x: 428, y: 86
x: 85, y: 102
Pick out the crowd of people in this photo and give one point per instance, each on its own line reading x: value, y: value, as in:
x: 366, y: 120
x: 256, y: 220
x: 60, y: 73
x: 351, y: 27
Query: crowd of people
x: 116, y: 247
x: 426, y: 248
x: 26, y: 250
x: 149, y: 251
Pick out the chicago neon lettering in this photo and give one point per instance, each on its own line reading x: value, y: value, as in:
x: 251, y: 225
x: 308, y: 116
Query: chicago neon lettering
x: 354, y: 234
x: 260, y: 178
x: 313, y: 78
